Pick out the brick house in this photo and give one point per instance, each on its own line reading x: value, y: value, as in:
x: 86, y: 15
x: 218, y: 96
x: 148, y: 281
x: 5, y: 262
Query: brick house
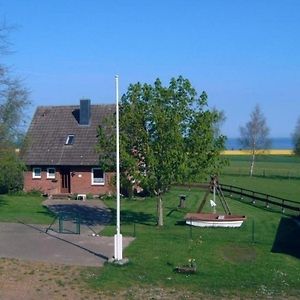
x: 60, y: 152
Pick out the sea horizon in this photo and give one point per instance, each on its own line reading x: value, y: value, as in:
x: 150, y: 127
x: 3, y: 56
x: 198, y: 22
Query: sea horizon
x: 280, y: 143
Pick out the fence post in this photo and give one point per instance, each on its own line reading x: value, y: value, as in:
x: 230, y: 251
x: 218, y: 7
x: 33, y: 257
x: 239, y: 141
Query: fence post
x: 267, y: 202
x: 253, y: 198
x: 282, y: 208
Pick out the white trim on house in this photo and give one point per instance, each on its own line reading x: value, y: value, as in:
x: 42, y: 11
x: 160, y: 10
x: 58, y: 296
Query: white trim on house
x: 34, y: 173
x: 99, y: 180
x: 51, y: 175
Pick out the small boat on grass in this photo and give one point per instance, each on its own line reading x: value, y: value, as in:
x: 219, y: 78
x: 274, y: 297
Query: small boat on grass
x: 214, y: 220
x: 203, y: 219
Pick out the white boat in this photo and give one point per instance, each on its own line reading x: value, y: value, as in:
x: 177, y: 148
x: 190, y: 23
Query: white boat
x: 214, y: 220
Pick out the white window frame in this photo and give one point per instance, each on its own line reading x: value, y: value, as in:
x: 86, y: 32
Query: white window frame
x: 51, y: 176
x: 34, y: 173
x: 92, y: 177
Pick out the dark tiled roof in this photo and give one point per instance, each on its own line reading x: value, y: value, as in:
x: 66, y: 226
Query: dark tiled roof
x: 48, y: 132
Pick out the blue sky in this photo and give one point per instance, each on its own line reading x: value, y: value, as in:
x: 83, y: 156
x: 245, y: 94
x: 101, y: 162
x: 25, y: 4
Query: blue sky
x: 240, y: 52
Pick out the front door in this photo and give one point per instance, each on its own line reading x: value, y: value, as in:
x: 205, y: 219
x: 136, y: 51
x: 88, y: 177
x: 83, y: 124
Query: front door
x: 65, y: 181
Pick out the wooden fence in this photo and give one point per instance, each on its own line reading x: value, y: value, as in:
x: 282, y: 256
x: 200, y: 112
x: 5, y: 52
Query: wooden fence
x: 256, y: 198
x: 265, y: 199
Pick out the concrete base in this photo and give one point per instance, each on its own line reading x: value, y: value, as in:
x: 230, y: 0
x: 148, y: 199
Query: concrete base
x: 120, y: 262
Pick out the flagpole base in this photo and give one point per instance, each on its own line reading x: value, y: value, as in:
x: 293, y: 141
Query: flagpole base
x: 118, y: 253
x: 121, y: 262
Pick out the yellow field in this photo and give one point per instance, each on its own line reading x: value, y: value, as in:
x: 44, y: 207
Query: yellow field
x: 261, y: 152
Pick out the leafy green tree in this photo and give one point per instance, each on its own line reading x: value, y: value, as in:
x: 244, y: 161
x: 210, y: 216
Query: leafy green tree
x: 11, y: 173
x: 167, y: 135
x: 296, y: 138
x: 13, y: 101
x: 255, y: 134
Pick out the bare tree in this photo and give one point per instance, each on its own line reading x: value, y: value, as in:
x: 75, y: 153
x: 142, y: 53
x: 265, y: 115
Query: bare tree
x: 13, y: 101
x: 255, y: 134
x: 296, y: 138
x: 13, y: 97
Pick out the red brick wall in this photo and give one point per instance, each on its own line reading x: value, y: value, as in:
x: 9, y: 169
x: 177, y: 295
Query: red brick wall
x: 80, y: 181
x: 42, y: 184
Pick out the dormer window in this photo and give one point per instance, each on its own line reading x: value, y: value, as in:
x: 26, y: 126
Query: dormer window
x: 70, y: 139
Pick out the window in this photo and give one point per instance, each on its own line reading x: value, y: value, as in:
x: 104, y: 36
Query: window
x: 51, y: 173
x: 36, y: 173
x: 97, y: 176
x: 70, y: 139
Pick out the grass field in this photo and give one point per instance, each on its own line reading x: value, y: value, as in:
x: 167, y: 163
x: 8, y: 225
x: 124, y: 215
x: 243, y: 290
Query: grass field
x: 269, y: 166
x: 259, y: 260
x: 231, y: 262
x: 275, y: 175
x: 27, y: 209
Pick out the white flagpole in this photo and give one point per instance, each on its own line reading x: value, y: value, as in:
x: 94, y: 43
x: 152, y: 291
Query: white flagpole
x: 118, y: 235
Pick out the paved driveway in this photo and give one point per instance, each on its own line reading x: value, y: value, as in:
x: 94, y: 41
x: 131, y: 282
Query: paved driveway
x: 35, y: 242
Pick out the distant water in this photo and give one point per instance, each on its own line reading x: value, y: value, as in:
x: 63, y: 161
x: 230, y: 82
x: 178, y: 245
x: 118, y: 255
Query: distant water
x: 276, y: 143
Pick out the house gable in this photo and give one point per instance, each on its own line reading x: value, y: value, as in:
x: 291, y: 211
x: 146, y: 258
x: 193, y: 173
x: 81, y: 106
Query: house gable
x: 60, y: 151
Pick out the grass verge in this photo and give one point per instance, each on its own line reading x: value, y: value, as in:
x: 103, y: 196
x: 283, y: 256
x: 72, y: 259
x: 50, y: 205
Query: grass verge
x: 25, y: 208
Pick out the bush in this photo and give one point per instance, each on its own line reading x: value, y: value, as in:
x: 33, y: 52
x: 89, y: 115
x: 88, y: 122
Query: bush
x: 89, y: 196
x: 35, y: 192
x: 11, y: 171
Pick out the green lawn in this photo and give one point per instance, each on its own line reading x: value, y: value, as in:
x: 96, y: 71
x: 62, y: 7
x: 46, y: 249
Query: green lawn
x: 249, y: 261
x: 276, y: 166
x: 259, y: 260
x: 275, y: 175
x: 24, y: 208
x: 285, y: 188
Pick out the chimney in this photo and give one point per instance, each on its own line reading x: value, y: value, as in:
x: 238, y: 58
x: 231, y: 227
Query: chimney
x: 85, y: 112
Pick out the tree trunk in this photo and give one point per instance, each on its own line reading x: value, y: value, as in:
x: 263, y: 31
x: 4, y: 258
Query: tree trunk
x: 252, y: 164
x: 160, y: 220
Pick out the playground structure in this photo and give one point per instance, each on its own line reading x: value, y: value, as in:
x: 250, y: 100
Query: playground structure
x: 201, y: 219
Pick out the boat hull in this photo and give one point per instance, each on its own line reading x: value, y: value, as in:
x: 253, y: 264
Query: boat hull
x: 214, y: 220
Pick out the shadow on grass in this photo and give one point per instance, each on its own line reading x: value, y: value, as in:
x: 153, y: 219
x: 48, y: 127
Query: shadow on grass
x: 287, y: 239
x: 2, y: 201
x: 130, y: 217
x: 181, y: 223
x: 47, y: 212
